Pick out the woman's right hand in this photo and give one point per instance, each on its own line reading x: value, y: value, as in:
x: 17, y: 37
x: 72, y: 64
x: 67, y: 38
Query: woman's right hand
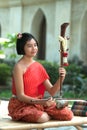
x: 50, y: 102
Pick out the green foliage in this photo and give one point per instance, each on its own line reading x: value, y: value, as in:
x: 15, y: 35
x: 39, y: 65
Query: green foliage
x: 10, y: 43
x: 9, y: 62
x: 84, y: 70
x: 1, y: 51
x: 74, y: 75
x: 5, y: 94
x: 52, y: 70
x: 5, y: 73
x: 77, y: 79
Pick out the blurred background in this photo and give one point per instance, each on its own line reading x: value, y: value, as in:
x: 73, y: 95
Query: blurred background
x: 43, y: 18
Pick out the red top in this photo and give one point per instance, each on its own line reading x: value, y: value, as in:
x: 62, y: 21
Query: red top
x: 33, y: 79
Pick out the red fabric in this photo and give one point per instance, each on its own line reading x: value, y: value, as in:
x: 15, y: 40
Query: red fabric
x: 33, y: 86
x: 23, y: 111
x: 31, y: 113
x: 65, y: 64
x: 64, y: 54
x: 33, y: 78
x: 63, y: 114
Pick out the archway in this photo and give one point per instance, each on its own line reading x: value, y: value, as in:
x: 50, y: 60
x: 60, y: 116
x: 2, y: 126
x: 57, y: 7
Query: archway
x: 39, y: 31
x: 84, y: 39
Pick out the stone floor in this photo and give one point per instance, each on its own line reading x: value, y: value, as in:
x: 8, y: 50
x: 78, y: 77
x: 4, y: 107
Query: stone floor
x: 65, y: 128
x: 62, y: 128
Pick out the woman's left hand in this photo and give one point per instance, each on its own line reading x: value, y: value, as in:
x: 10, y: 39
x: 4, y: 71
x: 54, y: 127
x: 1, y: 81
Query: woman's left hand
x: 62, y: 71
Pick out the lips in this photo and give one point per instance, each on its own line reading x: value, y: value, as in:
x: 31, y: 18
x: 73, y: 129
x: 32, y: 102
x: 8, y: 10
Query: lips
x: 34, y: 52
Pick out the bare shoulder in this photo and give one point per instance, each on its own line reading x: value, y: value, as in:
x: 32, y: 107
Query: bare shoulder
x: 17, y: 68
x: 17, y: 65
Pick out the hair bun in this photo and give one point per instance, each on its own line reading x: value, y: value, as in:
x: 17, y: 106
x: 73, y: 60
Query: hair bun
x: 19, y: 35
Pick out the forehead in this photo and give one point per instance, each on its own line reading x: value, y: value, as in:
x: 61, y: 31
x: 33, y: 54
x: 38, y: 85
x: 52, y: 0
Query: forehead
x: 32, y: 41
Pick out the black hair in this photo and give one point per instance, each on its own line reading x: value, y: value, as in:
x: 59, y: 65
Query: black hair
x: 22, y: 38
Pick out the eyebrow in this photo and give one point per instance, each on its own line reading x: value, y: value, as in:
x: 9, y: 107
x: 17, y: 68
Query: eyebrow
x: 30, y: 43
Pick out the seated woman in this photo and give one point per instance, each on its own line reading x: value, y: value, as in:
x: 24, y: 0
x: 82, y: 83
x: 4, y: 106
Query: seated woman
x: 29, y: 83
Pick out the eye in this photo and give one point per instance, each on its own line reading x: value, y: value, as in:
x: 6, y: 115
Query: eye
x: 29, y: 45
x: 35, y: 45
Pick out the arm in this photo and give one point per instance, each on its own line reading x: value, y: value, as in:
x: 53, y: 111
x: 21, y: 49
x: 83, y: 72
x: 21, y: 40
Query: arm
x: 18, y: 79
x: 52, y: 89
x: 18, y: 76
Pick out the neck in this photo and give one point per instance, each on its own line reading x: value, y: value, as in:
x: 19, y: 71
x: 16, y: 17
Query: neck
x: 27, y: 59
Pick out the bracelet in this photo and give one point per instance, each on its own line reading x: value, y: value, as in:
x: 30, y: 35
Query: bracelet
x: 43, y: 101
x: 33, y: 101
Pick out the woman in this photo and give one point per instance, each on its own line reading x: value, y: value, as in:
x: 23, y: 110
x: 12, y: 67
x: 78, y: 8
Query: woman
x: 30, y: 81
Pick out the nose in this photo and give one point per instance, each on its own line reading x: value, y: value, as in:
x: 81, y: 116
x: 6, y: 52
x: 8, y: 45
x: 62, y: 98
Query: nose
x: 33, y: 47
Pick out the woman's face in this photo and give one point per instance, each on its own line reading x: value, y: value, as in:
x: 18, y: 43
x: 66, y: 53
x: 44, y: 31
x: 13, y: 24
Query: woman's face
x: 31, y: 48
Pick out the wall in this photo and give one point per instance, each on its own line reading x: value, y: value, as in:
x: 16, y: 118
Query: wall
x: 26, y: 15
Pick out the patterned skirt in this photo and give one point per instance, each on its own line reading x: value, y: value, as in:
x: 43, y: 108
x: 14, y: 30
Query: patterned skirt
x: 31, y: 113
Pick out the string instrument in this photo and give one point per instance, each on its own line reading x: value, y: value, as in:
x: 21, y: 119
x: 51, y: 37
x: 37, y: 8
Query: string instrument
x: 62, y: 102
x: 63, y: 51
